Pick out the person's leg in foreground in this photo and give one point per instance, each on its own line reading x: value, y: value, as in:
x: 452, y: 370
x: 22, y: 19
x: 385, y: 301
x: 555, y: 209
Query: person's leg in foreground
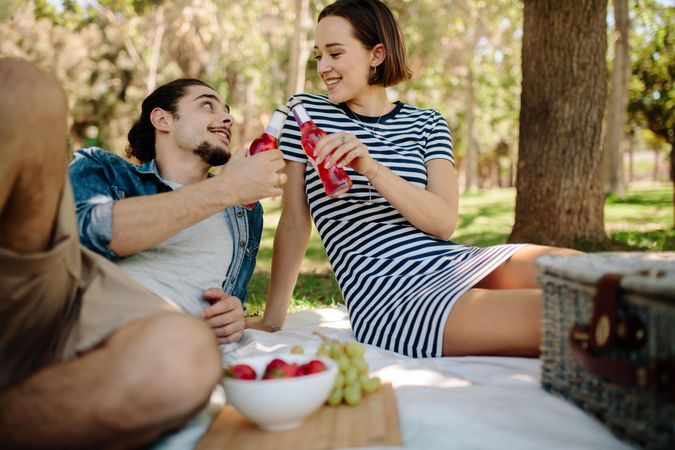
x: 145, y: 375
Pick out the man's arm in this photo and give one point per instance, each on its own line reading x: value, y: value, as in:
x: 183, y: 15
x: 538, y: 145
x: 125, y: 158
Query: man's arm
x: 127, y: 226
x: 140, y: 223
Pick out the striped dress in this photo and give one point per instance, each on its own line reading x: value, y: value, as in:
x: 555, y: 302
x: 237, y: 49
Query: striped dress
x: 398, y: 282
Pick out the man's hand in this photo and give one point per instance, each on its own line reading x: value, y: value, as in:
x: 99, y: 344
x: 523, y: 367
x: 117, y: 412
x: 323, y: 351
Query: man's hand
x: 225, y: 315
x: 256, y: 177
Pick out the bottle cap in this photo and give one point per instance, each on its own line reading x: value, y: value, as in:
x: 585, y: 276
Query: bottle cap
x: 283, y: 109
x: 294, y: 102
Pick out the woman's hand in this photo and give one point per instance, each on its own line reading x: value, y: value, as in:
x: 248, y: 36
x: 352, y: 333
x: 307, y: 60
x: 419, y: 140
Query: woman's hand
x: 345, y: 149
x: 256, y: 323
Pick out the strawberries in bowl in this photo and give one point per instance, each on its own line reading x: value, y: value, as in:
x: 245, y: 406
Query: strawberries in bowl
x: 241, y: 371
x: 279, y: 392
x: 277, y: 368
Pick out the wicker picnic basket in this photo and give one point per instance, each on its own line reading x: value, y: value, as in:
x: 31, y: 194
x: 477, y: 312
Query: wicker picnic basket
x: 608, y: 340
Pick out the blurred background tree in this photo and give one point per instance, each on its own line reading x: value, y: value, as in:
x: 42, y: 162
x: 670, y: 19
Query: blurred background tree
x: 652, y: 92
x: 465, y: 54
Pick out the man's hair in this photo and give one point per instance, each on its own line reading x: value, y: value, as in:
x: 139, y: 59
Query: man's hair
x: 142, y: 134
x: 373, y: 23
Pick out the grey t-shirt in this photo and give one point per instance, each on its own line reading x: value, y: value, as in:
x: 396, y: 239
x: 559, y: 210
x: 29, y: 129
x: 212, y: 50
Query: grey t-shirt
x: 181, y: 268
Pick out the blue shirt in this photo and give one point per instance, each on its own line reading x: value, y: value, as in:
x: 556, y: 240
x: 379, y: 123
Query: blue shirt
x: 100, y: 178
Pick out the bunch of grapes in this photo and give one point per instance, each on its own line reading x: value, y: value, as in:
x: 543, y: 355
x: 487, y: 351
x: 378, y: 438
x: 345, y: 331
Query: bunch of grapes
x: 352, y: 381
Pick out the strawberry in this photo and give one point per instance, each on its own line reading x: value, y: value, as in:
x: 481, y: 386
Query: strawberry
x: 275, y: 363
x: 314, y: 366
x: 280, y: 369
x: 241, y: 372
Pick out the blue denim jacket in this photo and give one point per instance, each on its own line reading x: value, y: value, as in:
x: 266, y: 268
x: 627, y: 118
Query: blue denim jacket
x: 99, y: 178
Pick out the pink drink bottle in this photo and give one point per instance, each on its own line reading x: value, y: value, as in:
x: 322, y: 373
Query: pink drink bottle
x: 269, y: 138
x: 335, y: 180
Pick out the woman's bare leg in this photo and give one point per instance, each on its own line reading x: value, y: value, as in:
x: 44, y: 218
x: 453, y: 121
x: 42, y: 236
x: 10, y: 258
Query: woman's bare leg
x: 494, y: 322
x: 502, y: 314
x: 519, y: 271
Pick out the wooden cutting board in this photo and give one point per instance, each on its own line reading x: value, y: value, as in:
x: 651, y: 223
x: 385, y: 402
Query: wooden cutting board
x: 374, y: 422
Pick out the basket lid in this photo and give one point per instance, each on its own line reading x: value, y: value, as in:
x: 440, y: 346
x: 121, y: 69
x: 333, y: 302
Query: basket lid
x: 644, y: 272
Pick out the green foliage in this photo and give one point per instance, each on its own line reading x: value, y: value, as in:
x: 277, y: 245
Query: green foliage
x: 640, y: 222
x: 652, y: 92
x: 131, y: 7
x: 8, y: 8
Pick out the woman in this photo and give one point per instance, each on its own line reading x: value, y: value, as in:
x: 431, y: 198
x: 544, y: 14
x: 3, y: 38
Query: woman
x: 406, y: 287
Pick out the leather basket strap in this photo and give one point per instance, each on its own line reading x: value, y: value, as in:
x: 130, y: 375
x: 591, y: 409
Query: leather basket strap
x: 657, y: 376
x: 587, y: 342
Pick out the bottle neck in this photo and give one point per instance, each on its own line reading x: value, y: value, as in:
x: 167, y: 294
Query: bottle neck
x: 301, y: 115
x: 276, y: 123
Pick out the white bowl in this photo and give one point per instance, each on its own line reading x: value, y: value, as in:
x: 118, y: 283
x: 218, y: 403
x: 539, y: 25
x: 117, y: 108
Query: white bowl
x: 281, y: 403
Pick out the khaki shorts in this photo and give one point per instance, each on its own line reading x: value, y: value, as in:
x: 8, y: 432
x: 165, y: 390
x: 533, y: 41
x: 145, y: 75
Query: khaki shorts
x: 63, y: 301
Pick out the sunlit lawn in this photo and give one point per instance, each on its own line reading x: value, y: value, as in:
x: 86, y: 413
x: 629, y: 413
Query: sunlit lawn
x: 642, y: 221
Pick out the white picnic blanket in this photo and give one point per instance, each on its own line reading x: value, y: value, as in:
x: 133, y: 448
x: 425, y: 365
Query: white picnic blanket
x: 443, y: 403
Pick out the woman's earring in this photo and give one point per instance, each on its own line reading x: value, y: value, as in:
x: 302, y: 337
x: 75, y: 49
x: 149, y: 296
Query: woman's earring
x: 374, y: 70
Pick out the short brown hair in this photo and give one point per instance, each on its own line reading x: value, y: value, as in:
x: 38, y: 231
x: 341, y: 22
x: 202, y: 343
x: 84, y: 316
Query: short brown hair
x: 373, y: 23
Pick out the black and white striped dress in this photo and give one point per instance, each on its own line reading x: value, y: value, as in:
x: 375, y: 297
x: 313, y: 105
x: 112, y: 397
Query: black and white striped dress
x: 398, y: 282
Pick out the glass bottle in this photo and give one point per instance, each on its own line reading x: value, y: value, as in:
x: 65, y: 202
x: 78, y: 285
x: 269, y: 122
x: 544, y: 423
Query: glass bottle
x: 269, y: 139
x: 335, y: 180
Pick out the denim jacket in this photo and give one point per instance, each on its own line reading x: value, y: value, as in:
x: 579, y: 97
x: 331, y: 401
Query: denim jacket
x: 100, y: 178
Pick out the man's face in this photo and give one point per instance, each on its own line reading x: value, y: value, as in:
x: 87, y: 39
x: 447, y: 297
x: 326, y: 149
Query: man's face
x: 202, y: 125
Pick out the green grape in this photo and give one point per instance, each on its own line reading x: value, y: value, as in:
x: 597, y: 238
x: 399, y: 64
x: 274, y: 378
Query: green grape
x: 339, y: 380
x: 375, y: 384
x: 360, y: 364
x: 354, y: 349
x: 352, y: 394
x: 297, y: 350
x: 335, y: 349
x: 352, y: 381
x: 343, y: 362
x: 335, y: 397
x: 323, y: 350
x: 351, y: 375
x: 364, y: 381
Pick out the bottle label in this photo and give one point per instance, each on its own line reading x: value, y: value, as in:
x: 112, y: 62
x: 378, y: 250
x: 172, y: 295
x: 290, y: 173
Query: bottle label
x: 276, y: 123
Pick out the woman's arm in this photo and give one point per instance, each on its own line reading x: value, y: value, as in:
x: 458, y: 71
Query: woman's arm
x: 432, y: 210
x: 290, y: 242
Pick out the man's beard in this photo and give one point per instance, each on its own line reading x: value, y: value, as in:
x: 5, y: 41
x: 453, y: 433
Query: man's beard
x: 212, y: 154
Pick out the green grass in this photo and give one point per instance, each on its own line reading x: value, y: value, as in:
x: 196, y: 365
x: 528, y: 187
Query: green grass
x: 643, y: 221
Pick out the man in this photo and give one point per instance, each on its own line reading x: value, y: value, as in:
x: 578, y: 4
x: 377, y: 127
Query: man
x: 88, y: 357
x: 179, y: 231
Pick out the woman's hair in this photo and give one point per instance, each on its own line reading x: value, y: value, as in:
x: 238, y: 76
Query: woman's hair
x: 373, y: 23
x: 142, y: 134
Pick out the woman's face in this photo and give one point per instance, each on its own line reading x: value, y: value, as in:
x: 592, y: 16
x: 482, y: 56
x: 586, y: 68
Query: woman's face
x: 343, y: 63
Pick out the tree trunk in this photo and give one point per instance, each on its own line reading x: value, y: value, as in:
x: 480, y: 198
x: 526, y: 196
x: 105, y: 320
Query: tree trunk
x: 471, y: 166
x: 559, y: 186
x: 512, y: 170
x: 672, y: 176
x: 151, y: 82
x: 618, y: 102
x: 631, y: 158
x: 299, y: 48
